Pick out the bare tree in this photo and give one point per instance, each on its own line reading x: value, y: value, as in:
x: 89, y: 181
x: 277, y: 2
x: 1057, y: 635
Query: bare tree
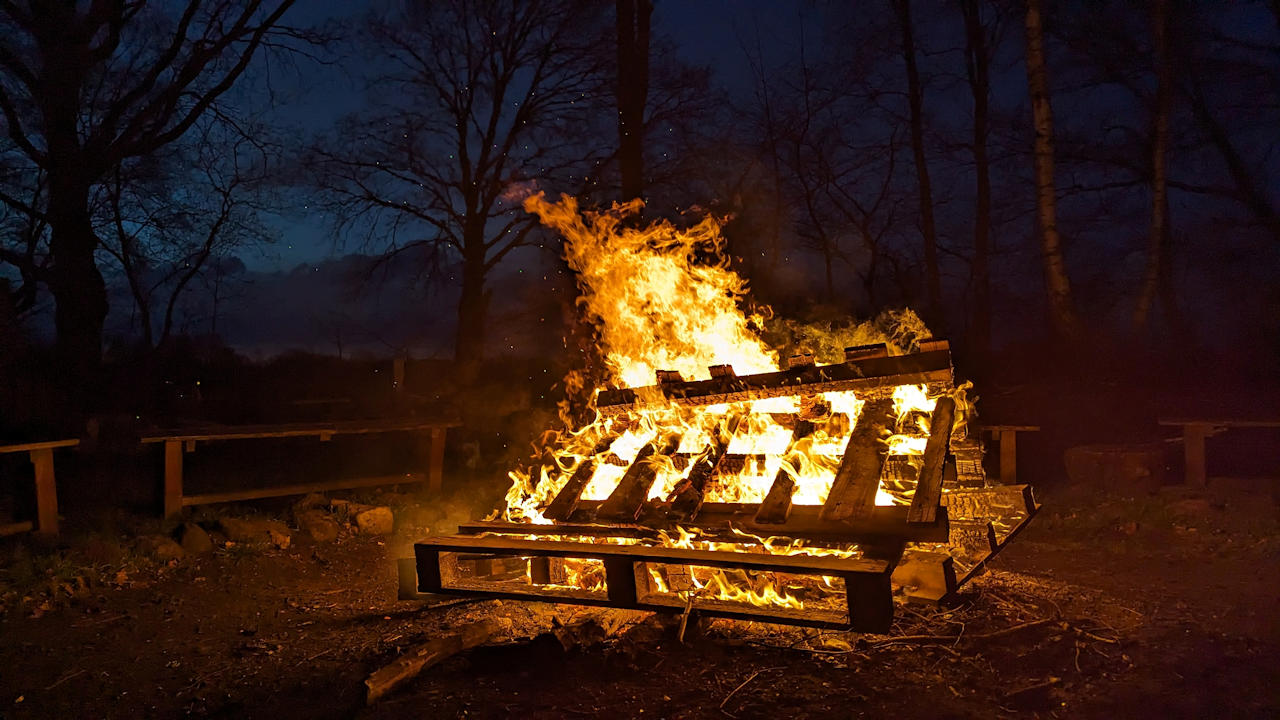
x: 977, y: 70
x: 1157, y: 238
x: 85, y: 86
x: 915, y: 104
x: 632, y: 92
x: 1062, y: 314
x: 168, y: 221
x: 471, y: 103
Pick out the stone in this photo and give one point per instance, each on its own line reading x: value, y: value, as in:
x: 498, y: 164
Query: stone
x: 318, y: 525
x: 1190, y: 507
x: 1124, y: 469
x: 161, y: 547
x: 194, y: 539
x: 376, y: 521
x: 310, y: 500
x: 255, y: 531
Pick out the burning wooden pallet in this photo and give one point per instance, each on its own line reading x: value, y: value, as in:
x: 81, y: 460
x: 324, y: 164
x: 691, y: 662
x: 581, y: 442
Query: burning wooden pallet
x: 837, y: 564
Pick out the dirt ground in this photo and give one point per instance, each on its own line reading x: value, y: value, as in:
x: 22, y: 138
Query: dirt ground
x: 1160, y: 606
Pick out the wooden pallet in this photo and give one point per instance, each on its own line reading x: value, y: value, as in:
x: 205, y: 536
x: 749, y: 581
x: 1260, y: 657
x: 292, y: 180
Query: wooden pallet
x: 910, y: 550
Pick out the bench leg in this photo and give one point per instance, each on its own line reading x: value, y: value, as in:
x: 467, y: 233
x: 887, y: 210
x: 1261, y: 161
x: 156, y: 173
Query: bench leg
x: 1193, y: 452
x: 172, y: 478
x: 1008, y: 457
x: 46, y: 492
x: 435, y: 462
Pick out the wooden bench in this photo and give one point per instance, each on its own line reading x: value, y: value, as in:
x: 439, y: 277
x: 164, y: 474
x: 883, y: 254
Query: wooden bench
x: 41, y: 454
x: 177, y: 441
x: 1006, y: 437
x: 1194, y: 433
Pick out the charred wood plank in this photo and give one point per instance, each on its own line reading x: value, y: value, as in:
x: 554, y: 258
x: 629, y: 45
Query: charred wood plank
x: 988, y: 503
x: 853, y: 492
x: 685, y: 500
x: 566, y: 501
x: 928, y: 495
x: 925, y: 576
x: 546, y: 571
x: 872, y: 375
x: 800, y: 564
x: 717, y: 521
x: 862, y: 352
x: 627, y: 499
x: 870, y: 598
x: 777, y: 504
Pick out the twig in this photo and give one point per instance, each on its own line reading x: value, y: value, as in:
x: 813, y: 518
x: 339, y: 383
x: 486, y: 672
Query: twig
x: 1099, y: 638
x: 958, y: 638
x: 317, y: 655
x: 65, y: 678
x: 102, y: 621
x: 742, y: 685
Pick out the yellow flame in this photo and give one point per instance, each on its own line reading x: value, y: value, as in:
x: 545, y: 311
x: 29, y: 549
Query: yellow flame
x: 664, y: 299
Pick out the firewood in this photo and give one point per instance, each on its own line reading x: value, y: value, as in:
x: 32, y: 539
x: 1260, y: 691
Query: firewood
x: 853, y: 492
x: 776, y: 507
x: 627, y: 499
x: 928, y: 494
x: 409, y: 665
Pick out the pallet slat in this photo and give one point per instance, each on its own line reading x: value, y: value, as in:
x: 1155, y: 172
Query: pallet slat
x: 853, y: 492
x: 928, y: 495
x: 627, y: 499
x: 868, y: 590
x: 777, y: 504
x: 566, y: 501
x: 870, y: 375
x: 686, y: 499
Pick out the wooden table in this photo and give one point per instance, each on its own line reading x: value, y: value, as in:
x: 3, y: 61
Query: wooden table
x: 1194, y: 432
x: 41, y: 454
x: 176, y: 441
x: 1007, y: 437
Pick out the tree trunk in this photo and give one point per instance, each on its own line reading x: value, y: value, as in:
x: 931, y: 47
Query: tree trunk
x: 1159, y: 186
x: 80, y: 295
x: 915, y: 97
x: 473, y: 306
x: 632, y: 92
x: 980, y: 86
x: 1062, y: 314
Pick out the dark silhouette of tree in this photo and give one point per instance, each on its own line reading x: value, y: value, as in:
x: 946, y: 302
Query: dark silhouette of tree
x: 632, y: 92
x: 978, y: 72
x: 915, y: 105
x: 1062, y: 313
x: 168, y: 221
x: 1159, y: 230
x: 471, y: 108
x: 86, y: 86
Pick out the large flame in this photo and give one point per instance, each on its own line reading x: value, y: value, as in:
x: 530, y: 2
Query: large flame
x: 665, y: 299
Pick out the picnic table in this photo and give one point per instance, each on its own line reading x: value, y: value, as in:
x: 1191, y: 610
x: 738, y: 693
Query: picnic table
x: 179, y: 440
x: 1006, y: 437
x: 1195, y: 430
x: 41, y: 454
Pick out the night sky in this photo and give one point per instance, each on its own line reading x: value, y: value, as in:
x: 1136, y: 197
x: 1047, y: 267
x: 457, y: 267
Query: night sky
x: 289, y: 292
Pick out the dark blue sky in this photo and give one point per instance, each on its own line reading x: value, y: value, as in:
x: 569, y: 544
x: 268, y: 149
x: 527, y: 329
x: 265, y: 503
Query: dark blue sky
x: 705, y: 32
